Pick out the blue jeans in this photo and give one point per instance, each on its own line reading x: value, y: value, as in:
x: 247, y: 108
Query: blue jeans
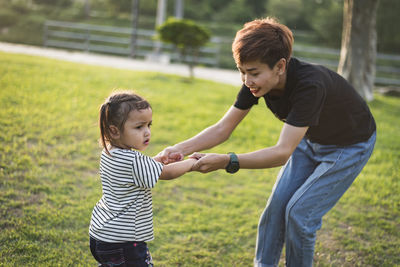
x: 308, y: 186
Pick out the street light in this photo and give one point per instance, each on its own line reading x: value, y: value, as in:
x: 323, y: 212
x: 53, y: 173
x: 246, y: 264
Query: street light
x: 135, y: 19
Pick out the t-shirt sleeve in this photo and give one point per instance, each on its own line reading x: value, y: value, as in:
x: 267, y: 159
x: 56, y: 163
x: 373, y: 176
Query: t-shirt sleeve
x: 245, y: 99
x: 146, y: 171
x: 307, y: 103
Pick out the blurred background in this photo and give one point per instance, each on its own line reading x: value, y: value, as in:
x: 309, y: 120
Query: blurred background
x: 128, y: 27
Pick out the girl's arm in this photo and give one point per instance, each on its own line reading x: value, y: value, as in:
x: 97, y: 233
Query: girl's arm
x: 208, y: 138
x: 174, y: 170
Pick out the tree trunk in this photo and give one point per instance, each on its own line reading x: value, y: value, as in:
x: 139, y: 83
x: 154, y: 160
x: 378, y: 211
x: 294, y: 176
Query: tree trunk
x: 358, y: 52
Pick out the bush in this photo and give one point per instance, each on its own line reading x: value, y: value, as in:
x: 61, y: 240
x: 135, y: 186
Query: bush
x: 288, y: 12
x: 27, y: 30
x: 186, y: 35
x: 183, y: 33
x: 7, y: 18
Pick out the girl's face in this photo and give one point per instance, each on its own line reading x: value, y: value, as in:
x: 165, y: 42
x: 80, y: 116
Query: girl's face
x: 261, y: 79
x: 136, y: 133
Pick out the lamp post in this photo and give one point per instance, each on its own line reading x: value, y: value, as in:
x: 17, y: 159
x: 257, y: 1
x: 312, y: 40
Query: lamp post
x: 161, y: 14
x: 179, y: 9
x: 135, y: 19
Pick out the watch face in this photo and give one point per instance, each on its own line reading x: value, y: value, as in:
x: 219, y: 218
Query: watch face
x: 233, y: 165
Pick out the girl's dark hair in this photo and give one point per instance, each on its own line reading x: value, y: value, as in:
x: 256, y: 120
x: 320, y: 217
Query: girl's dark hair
x: 115, y: 111
x: 263, y: 39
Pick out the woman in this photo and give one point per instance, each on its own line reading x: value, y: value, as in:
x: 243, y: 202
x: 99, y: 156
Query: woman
x: 327, y: 137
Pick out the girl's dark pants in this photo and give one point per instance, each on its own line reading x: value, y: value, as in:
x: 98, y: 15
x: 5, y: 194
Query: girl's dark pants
x: 126, y: 254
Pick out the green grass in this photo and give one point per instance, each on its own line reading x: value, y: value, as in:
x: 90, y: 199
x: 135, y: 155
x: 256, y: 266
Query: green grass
x: 49, y: 162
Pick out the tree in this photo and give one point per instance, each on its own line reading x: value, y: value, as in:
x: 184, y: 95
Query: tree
x: 326, y: 21
x: 359, y: 39
x: 287, y: 11
x: 387, y: 21
x: 58, y: 3
x: 187, y: 36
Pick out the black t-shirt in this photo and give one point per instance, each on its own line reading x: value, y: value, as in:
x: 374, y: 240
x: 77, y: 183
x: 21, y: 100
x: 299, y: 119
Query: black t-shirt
x: 317, y: 97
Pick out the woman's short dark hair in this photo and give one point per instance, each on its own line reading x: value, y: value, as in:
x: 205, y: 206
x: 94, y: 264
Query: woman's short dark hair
x: 263, y: 39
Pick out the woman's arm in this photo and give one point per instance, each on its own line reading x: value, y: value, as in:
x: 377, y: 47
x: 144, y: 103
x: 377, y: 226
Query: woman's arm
x: 265, y: 158
x: 277, y: 155
x: 208, y: 138
x: 174, y: 170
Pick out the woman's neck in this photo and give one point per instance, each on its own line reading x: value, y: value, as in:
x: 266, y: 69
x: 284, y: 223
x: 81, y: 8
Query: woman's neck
x: 280, y: 87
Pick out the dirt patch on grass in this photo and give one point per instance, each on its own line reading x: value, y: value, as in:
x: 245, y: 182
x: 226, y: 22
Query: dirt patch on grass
x: 330, y: 252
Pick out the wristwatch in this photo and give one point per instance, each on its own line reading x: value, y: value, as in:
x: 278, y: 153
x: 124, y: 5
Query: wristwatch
x: 233, y: 165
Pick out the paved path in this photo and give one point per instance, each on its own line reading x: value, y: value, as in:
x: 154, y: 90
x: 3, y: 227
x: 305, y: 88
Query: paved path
x: 218, y: 75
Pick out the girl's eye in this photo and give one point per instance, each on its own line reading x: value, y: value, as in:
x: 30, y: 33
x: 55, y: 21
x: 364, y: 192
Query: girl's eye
x: 138, y: 127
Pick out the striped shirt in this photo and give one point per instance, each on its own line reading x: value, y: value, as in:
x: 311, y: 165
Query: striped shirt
x: 124, y: 213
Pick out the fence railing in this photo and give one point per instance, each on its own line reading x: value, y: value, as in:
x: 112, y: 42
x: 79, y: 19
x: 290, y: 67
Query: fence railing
x: 387, y: 66
x: 119, y: 40
x: 140, y: 43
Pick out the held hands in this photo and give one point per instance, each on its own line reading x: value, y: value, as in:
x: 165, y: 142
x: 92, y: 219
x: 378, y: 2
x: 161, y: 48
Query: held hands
x: 208, y: 162
x: 169, y: 155
x: 205, y: 162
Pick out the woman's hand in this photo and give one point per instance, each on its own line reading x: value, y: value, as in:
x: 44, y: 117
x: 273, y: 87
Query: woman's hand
x: 208, y: 162
x: 169, y: 155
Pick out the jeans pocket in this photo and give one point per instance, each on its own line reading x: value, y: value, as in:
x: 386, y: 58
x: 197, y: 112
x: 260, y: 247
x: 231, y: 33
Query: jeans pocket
x: 111, y: 258
x: 137, y: 254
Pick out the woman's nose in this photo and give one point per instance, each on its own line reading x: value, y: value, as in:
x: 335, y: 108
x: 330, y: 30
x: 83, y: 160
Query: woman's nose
x: 247, y: 81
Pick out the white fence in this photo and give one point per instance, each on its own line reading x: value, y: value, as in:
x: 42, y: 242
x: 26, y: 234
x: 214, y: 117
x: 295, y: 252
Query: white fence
x: 141, y: 43
x: 387, y: 66
x: 119, y: 40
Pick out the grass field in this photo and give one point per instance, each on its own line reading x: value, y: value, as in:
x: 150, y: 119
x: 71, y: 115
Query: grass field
x: 49, y: 183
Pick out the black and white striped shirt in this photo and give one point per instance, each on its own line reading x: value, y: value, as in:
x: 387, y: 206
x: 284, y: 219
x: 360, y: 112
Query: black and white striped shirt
x: 124, y: 213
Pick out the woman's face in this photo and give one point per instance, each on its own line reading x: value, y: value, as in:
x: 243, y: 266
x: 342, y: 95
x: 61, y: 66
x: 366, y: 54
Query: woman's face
x: 261, y: 79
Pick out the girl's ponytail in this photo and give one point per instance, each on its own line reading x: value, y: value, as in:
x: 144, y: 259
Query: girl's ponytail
x: 115, y: 112
x: 103, y: 127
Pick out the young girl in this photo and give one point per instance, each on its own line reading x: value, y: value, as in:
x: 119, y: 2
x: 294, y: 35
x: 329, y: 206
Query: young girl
x: 122, y: 220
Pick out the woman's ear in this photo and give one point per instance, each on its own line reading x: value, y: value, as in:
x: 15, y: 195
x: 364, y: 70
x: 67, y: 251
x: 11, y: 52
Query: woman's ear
x: 114, y: 132
x: 281, y: 66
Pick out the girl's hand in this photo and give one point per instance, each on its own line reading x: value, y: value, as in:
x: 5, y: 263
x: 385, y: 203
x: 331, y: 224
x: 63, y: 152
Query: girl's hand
x: 169, y: 155
x: 208, y: 162
x: 193, y: 162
